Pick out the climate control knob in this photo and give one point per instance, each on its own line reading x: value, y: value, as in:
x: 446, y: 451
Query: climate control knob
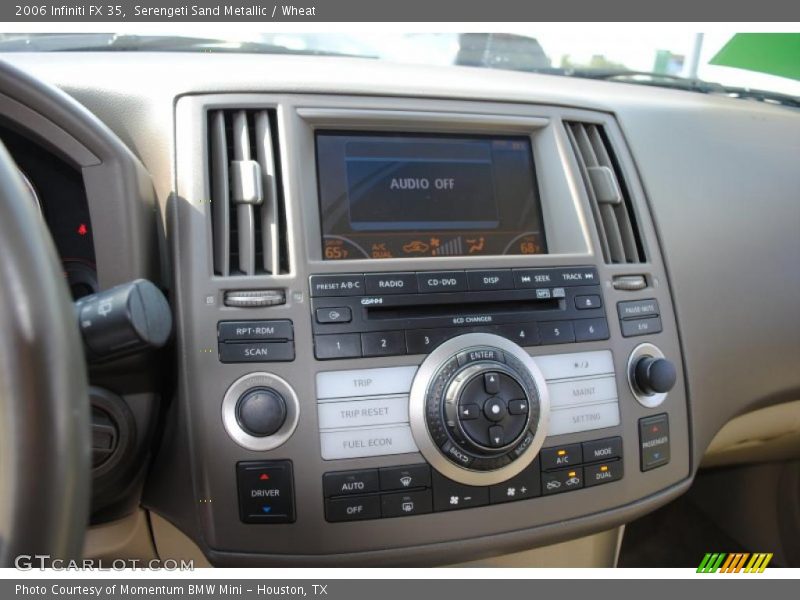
x: 479, y: 409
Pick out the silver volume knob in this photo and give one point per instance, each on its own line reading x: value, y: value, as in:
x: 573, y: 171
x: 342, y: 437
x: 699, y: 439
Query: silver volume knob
x: 479, y: 409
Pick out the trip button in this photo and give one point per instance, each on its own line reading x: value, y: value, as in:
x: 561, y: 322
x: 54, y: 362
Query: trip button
x: 401, y: 478
x: 554, y: 482
x: 560, y: 456
x: 449, y: 495
x: 334, y: 315
x: 391, y: 283
x: 405, y: 504
x: 346, y: 345
x: 383, y: 343
x: 356, y: 508
x: 345, y: 483
x: 266, y: 493
x: 603, y: 473
x: 442, y: 281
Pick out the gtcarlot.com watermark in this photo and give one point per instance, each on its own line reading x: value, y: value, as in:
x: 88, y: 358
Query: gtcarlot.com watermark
x: 42, y: 562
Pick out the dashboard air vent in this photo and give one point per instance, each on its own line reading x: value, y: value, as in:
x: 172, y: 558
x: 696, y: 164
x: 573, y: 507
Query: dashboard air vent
x: 608, y: 196
x: 248, y: 220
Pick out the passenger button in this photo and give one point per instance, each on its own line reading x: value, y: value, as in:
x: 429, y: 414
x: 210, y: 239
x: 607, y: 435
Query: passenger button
x: 590, y: 330
x: 554, y: 482
x: 654, y: 441
x: 404, y: 504
x: 604, y: 472
x: 641, y: 326
x: 560, y: 456
x: 357, y: 508
x: 265, y: 491
x: 605, y: 449
x: 442, y: 281
x: 383, y: 343
x: 556, y: 332
x: 346, y: 345
x: 345, y: 483
x: 449, y: 495
x: 391, y: 283
x: 401, y: 478
x: 587, y: 302
x: 334, y: 315
x: 490, y: 280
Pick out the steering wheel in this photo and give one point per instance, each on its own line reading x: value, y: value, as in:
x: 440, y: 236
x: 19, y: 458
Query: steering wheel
x: 44, y: 401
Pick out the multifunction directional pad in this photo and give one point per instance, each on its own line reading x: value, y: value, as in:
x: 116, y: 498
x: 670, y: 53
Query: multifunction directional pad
x: 493, y: 409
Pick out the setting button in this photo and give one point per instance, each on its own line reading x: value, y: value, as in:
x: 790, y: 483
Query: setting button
x: 356, y: 508
x: 560, y: 456
x: 334, y: 315
x: 345, y: 483
x: 265, y: 491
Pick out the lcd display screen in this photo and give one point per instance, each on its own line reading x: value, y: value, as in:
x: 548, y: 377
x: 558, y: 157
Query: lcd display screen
x: 407, y: 195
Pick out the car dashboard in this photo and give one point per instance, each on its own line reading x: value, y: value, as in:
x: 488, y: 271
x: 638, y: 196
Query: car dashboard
x: 425, y: 315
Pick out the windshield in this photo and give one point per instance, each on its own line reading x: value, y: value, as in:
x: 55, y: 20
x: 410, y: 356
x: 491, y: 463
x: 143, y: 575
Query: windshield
x: 663, y: 52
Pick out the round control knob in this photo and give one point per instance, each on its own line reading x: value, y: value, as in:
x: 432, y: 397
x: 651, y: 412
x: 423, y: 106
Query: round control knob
x: 261, y: 411
x: 479, y: 409
x: 654, y: 375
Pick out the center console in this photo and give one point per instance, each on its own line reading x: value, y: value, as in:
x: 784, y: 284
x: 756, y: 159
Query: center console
x: 415, y: 331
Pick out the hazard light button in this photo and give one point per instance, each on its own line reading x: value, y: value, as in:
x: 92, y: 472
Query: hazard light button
x: 266, y: 491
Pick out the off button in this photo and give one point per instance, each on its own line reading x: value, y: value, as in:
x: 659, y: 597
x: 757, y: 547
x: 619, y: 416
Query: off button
x: 357, y: 508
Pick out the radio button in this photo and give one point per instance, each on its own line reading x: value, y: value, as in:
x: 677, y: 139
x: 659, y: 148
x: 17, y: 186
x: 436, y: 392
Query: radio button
x: 422, y: 341
x: 346, y: 345
x: 383, y: 343
x: 391, y: 283
x: 334, y: 315
x: 587, y: 302
x: 442, y: 281
x: 556, y: 332
x: 337, y: 285
x: 490, y: 280
x: 589, y: 330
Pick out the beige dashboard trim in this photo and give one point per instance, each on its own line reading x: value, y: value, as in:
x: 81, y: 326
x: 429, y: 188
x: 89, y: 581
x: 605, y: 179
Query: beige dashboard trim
x: 767, y: 434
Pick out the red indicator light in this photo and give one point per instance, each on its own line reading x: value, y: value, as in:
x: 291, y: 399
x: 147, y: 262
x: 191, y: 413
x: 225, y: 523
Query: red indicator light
x: 654, y: 429
x: 263, y: 477
x: 83, y: 229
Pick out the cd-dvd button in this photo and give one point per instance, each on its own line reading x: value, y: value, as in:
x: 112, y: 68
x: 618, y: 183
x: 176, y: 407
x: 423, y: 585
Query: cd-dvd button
x: 442, y: 281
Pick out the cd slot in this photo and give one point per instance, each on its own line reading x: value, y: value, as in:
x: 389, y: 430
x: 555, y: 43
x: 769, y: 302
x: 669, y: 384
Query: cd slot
x: 464, y: 308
